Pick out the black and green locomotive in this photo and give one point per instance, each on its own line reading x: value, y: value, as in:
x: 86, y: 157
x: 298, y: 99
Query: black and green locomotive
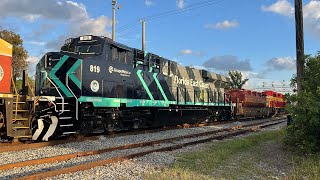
x: 94, y: 83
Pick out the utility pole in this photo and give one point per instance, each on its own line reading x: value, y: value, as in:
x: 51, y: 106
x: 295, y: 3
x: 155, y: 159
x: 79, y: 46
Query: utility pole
x: 114, y: 3
x: 299, y: 42
x: 143, y: 21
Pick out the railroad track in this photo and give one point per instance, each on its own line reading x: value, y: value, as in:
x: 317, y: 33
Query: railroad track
x: 19, y: 146
x: 149, y: 147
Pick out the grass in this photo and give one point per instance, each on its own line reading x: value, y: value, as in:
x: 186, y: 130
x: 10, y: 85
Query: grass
x: 260, y: 156
x: 305, y: 167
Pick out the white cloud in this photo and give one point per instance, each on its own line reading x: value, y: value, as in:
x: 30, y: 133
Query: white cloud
x: 71, y: 13
x: 148, y: 2
x: 36, y: 43
x: 31, y: 17
x: 180, y: 4
x: 191, y: 52
x: 223, y: 25
x: 312, y: 17
x: 228, y: 62
x: 32, y: 62
x: 186, y: 51
x: 282, y: 7
x: 311, y: 13
x: 281, y: 63
x: 93, y: 26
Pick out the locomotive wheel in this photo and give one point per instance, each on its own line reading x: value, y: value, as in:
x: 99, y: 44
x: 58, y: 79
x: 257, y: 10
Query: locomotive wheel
x: 1, y: 120
x: 109, y: 128
x: 86, y: 128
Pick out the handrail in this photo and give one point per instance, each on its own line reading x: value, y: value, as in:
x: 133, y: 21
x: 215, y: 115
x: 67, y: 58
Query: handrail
x: 33, y: 95
x: 62, y: 111
x: 67, y: 83
x: 17, y: 97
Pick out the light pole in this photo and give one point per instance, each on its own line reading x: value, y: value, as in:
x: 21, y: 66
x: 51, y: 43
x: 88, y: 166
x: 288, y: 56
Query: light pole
x: 114, y: 8
x: 143, y: 21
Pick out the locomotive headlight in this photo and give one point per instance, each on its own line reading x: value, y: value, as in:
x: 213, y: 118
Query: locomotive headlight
x: 85, y: 38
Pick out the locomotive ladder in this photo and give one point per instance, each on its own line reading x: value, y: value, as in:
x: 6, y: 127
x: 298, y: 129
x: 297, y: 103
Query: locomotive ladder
x: 67, y: 118
x: 20, y: 124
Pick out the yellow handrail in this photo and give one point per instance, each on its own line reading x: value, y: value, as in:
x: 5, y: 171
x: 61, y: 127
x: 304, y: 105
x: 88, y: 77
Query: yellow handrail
x: 17, y: 97
x: 33, y: 95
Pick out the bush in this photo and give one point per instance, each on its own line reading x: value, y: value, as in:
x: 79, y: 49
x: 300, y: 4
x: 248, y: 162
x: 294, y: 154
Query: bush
x: 304, y: 133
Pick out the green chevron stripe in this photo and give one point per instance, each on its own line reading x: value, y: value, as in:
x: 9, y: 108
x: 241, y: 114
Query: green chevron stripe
x: 56, y: 80
x: 160, y: 87
x: 144, y: 84
x: 71, y: 73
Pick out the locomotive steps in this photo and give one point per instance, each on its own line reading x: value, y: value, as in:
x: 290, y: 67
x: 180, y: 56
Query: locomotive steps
x: 165, y: 145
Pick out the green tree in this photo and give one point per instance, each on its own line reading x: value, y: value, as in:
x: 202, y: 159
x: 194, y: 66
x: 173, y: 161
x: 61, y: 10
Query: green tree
x: 236, y: 80
x: 31, y: 83
x: 304, y: 107
x: 19, y: 54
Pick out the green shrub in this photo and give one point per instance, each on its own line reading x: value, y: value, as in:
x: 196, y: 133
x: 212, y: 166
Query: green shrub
x: 304, y: 133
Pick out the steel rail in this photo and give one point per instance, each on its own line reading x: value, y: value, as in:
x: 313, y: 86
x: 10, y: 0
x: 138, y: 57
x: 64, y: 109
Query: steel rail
x: 90, y: 165
x: 128, y: 146
x: 15, y: 146
x: 20, y: 147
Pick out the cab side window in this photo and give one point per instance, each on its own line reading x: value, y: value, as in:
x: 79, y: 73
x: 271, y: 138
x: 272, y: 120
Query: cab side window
x: 115, y: 54
x: 122, y: 56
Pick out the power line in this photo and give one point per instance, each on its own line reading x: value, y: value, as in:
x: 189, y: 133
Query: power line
x: 198, y: 5
x: 188, y: 8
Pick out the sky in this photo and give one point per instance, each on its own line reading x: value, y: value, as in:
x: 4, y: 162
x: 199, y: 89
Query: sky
x: 256, y: 37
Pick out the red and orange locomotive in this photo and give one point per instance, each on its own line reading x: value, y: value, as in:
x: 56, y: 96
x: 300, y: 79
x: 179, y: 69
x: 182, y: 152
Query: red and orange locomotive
x: 247, y: 103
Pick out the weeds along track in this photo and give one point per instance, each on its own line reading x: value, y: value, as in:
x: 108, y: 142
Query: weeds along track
x: 62, y: 164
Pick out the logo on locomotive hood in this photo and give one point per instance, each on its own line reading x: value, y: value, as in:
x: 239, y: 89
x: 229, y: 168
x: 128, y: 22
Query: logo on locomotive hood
x: 1, y: 73
x: 122, y: 72
x: 94, y: 85
x: 190, y: 82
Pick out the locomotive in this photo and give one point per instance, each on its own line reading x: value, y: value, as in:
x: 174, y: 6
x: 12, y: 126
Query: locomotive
x: 94, y: 84
x: 15, y: 111
x: 251, y: 104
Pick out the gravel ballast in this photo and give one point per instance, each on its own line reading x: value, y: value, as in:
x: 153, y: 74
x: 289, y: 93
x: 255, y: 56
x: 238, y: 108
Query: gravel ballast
x: 103, y: 142
x: 128, y: 169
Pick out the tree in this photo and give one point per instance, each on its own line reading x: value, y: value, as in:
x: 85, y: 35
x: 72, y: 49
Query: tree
x: 30, y: 80
x: 305, y: 109
x: 237, y: 80
x: 19, y: 54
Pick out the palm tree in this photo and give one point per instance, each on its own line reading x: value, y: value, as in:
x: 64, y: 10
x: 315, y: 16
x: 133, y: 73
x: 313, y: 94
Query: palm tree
x: 236, y: 81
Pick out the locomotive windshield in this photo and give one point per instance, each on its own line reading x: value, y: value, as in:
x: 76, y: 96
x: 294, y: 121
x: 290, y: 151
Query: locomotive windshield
x: 82, y: 48
x: 84, y: 45
x: 88, y: 49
